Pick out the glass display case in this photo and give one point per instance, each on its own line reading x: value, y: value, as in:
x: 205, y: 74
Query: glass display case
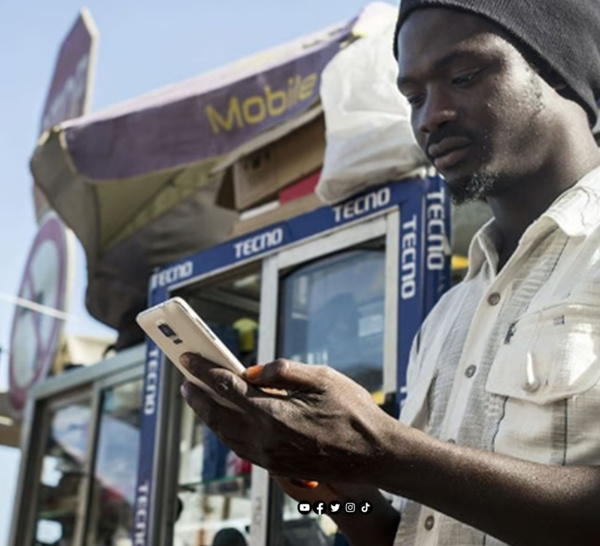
x: 345, y: 286
x: 213, y: 496
x: 61, y: 484
x: 76, y: 486
x: 115, y: 465
x: 328, y: 301
x: 214, y: 489
x: 332, y: 312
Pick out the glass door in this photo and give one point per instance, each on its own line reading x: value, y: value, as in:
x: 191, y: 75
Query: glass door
x: 212, y: 501
x: 63, y: 475
x: 213, y: 496
x: 115, y: 466
x: 332, y: 312
x: 334, y: 305
x: 76, y: 482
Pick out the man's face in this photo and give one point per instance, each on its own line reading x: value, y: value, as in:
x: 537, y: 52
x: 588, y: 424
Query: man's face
x: 478, y: 108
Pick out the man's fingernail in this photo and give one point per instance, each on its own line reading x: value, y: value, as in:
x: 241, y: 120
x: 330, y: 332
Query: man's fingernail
x: 184, y: 390
x: 253, y: 372
x: 185, y: 360
x: 307, y: 484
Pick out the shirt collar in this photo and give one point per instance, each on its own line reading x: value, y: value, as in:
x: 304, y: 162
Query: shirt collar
x: 483, y: 247
x: 576, y: 212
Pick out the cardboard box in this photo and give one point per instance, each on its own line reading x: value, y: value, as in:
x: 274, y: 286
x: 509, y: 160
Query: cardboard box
x: 259, y: 176
x: 283, y: 212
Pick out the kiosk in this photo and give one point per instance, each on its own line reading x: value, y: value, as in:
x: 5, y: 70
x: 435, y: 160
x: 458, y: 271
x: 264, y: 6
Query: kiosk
x: 116, y: 457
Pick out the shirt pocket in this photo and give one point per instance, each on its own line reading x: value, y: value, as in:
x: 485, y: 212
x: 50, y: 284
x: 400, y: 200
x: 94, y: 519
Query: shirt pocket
x: 549, y: 355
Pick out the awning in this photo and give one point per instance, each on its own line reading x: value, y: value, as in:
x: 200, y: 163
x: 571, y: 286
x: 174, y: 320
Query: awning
x: 136, y: 182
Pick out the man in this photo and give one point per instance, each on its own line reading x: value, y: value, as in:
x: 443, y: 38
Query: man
x: 499, y: 439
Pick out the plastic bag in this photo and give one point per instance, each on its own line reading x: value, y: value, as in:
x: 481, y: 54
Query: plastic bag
x: 368, y: 131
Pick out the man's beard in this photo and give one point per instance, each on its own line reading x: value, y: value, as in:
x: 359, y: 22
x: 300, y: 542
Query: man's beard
x: 476, y: 188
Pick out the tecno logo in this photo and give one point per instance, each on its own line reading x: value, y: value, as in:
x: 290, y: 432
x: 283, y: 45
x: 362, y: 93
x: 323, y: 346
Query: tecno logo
x: 362, y: 205
x: 409, y: 256
x: 259, y: 243
x: 438, y: 246
x: 172, y: 275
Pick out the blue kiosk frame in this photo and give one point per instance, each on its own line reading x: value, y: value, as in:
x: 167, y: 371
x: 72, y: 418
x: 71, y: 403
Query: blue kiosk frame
x: 413, y: 215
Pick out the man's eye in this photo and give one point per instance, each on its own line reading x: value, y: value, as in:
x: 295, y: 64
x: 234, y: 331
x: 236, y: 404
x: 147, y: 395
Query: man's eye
x: 414, y: 100
x: 465, y: 79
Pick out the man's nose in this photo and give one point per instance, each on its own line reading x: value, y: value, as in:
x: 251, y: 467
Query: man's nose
x: 436, y: 112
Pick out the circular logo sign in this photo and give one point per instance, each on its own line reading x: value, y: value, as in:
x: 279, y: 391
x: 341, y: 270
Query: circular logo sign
x: 36, y: 330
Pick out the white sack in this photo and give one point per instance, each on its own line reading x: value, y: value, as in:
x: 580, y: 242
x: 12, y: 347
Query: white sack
x: 369, y: 137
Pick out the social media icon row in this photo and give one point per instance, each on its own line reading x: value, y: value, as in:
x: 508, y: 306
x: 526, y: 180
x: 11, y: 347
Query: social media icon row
x: 320, y: 507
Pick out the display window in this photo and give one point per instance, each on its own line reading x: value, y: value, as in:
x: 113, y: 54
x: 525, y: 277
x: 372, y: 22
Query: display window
x: 213, y: 496
x: 62, y: 474
x: 332, y: 312
x: 115, y: 465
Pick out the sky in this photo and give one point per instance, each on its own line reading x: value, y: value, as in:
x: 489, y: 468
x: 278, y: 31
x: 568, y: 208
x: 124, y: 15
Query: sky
x: 143, y: 46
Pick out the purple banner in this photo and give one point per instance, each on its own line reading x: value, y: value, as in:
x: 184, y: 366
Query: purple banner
x: 205, y: 117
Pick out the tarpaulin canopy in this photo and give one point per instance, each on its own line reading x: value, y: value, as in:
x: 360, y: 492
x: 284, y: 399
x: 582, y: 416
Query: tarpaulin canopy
x: 136, y: 182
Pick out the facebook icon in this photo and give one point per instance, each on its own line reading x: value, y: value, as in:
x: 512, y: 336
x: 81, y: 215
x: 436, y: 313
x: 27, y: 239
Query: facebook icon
x: 319, y: 507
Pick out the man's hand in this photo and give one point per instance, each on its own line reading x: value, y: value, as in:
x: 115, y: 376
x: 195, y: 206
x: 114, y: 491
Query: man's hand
x: 317, y: 424
x: 326, y: 427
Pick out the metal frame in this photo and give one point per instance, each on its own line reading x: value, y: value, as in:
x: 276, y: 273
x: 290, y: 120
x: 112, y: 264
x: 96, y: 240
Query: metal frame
x: 390, y: 343
x: 167, y: 478
x: 56, y: 392
x: 267, y: 342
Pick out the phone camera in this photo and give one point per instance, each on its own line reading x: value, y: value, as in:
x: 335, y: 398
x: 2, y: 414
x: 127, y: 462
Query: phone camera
x: 166, y: 330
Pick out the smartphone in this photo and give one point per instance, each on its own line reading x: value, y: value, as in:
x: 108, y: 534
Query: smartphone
x: 176, y: 328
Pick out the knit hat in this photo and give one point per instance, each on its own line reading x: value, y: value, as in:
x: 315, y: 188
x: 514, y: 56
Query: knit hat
x: 560, y: 35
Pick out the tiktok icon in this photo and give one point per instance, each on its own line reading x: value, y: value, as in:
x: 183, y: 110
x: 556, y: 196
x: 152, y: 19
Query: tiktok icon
x: 365, y: 507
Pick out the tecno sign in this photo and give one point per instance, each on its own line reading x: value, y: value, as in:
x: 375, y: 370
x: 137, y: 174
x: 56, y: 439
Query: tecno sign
x: 258, y: 243
x: 172, y: 275
x: 362, y: 205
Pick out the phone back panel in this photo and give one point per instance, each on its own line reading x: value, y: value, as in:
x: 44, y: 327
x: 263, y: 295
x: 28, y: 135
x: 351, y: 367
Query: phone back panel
x: 185, y: 332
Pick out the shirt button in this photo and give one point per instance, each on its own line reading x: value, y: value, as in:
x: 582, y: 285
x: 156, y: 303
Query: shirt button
x: 470, y: 371
x: 531, y: 386
x: 429, y: 523
x: 494, y: 299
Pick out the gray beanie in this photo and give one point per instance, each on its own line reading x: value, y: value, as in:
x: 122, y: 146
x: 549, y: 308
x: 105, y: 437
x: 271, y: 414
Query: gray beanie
x: 554, y: 34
